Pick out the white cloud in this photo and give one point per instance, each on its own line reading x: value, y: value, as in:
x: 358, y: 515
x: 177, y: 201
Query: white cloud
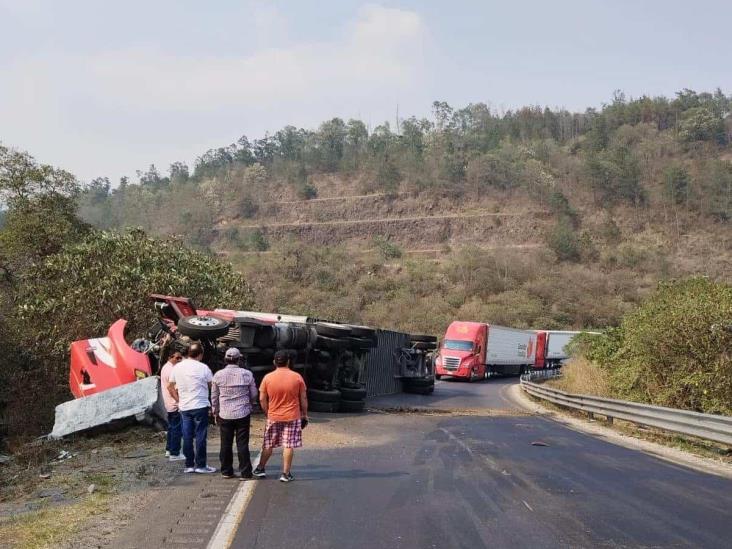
x: 383, y: 48
x: 69, y: 102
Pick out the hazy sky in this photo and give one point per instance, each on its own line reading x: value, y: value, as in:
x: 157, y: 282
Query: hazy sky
x: 104, y: 88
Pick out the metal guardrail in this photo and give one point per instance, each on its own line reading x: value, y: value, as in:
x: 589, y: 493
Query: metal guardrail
x: 707, y: 426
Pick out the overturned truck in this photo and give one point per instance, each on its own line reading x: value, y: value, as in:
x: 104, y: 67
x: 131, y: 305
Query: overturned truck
x: 333, y: 358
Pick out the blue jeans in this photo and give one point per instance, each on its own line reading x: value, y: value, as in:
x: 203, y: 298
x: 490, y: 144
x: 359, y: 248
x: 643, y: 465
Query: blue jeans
x: 195, y: 423
x: 174, y: 433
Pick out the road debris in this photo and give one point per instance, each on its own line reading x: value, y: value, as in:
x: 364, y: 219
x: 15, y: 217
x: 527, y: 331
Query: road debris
x: 45, y: 476
x: 539, y: 443
x: 63, y: 456
x: 91, y: 488
x: 528, y: 506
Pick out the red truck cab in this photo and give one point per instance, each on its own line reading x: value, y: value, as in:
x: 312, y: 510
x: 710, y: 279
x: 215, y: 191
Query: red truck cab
x: 462, y: 352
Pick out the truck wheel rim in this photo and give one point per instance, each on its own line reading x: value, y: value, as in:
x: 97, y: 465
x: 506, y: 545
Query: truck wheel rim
x: 204, y: 321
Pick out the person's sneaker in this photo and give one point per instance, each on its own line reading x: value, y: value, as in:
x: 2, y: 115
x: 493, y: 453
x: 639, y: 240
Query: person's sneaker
x: 286, y: 477
x: 189, y: 470
x: 259, y: 472
x: 167, y: 453
x: 179, y: 457
x: 246, y: 477
x: 205, y: 470
x: 227, y: 475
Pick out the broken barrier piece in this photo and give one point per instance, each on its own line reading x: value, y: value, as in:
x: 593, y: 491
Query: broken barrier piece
x: 141, y: 401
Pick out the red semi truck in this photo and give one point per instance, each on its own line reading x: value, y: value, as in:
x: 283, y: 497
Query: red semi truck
x: 551, y: 348
x: 476, y: 350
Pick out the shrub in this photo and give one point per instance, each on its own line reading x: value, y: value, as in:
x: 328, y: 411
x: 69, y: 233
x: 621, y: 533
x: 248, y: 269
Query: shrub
x: 387, y: 249
x: 564, y: 242
x: 306, y: 191
x: 673, y: 350
x: 258, y: 241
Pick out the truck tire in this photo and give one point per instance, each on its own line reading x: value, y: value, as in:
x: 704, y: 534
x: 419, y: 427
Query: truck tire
x: 348, y: 393
x: 352, y: 406
x: 362, y: 331
x: 327, y: 407
x: 331, y: 343
x: 423, y: 338
x: 329, y: 329
x: 203, y: 327
x: 438, y: 377
x: 322, y: 395
x: 418, y: 381
x: 419, y: 390
x: 424, y: 346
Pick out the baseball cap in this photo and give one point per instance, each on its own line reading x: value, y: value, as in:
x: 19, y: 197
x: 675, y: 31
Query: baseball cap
x: 232, y: 352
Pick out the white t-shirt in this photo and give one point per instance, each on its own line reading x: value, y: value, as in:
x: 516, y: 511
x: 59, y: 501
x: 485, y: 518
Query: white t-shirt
x: 191, y: 379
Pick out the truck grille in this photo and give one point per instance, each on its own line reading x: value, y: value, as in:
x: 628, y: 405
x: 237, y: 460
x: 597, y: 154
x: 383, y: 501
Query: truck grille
x: 451, y: 362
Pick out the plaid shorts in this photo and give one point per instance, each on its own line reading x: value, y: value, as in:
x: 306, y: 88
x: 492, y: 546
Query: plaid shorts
x: 283, y: 433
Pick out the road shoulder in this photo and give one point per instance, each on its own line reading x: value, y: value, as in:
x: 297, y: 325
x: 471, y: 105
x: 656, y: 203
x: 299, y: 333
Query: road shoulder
x: 660, y: 451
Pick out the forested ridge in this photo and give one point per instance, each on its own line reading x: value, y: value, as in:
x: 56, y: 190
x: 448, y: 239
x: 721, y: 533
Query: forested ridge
x: 556, y: 218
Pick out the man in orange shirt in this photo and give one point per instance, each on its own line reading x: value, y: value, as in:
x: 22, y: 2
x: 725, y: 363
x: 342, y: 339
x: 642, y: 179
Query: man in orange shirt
x: 284, y: 401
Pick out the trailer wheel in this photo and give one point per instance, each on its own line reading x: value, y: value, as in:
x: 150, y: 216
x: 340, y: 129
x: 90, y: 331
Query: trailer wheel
x: 328, y: 407
x: 322, y: 395
x: 203, y: 326
x: 329, y: 329
x: 362, y: 331
x: 353, y: 394
x: 322, y: 342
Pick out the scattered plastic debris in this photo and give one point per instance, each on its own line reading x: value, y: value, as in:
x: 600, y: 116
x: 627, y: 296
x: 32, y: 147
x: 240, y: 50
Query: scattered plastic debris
x: 45, y: 476
x: 539, y: 443
x: 63, y: 456
x: 91, y: 488
x: 5, y: 459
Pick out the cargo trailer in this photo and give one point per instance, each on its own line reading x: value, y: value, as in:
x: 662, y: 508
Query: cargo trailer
x: 476, y: 350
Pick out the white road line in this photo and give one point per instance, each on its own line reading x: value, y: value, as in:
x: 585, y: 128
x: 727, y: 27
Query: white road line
x: 223, y: 536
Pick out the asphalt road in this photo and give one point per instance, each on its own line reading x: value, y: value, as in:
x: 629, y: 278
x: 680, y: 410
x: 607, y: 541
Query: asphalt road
x: 477, y: 481
x: 455, y: 395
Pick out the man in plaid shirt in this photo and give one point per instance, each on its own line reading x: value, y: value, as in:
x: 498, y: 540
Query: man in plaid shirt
x: 232, y: 392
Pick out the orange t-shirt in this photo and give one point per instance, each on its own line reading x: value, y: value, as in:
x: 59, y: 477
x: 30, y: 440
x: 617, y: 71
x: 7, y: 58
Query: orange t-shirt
x: 283, y: 387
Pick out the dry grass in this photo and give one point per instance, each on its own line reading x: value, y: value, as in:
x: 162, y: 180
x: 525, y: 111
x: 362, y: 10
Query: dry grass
x: 583, y: 377
x: 52, y: 526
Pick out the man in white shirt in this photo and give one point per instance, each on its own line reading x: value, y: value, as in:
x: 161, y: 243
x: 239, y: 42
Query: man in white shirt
x: 189, y: 384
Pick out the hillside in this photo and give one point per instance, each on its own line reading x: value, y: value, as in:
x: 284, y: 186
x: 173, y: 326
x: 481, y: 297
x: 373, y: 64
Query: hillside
x: 533, y: 217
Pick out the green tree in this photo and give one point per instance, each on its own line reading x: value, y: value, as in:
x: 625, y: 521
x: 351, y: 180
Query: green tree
x: 41, y: 209
x: 702, y: 124
x: 676, y: 184
x: 563, y: 240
